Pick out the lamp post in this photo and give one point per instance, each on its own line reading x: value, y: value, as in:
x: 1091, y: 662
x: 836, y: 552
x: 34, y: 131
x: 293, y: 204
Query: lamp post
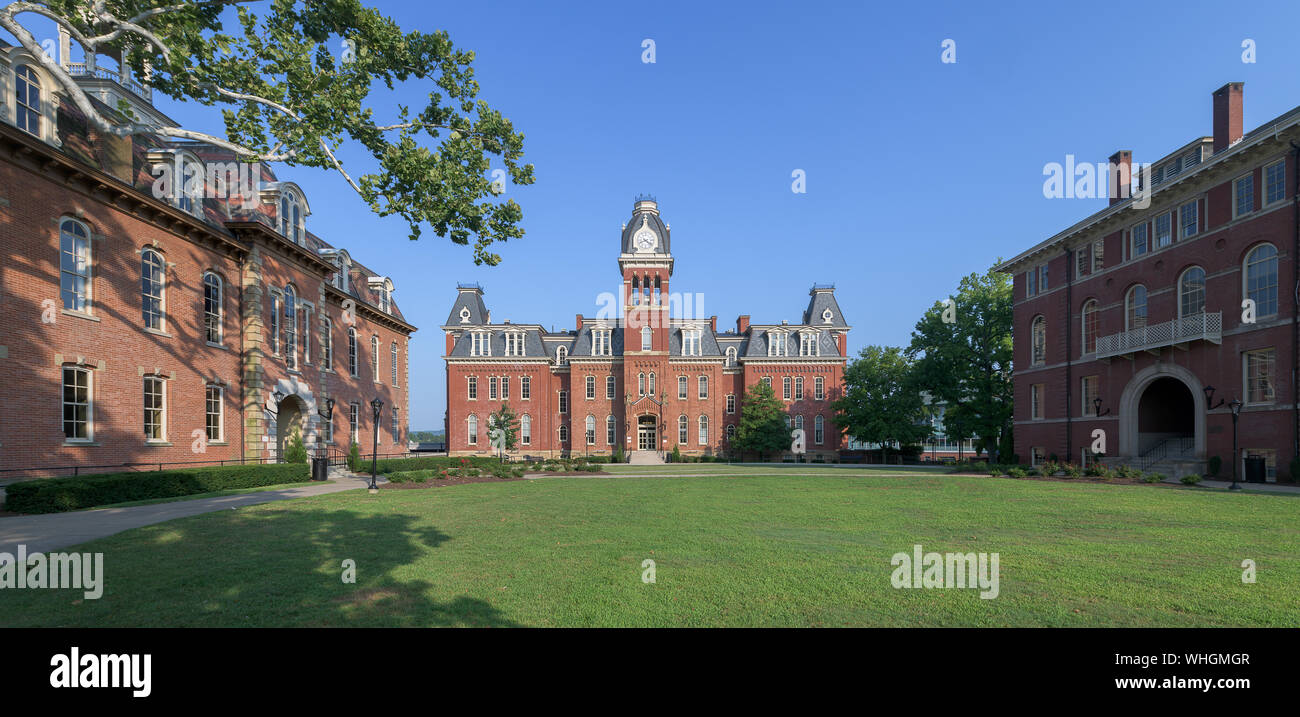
x: 378, y: 406
x: 1235, y: 405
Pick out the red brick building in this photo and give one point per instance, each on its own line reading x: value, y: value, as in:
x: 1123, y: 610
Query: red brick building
x: 1139, y: 322
x: 141, y: 324
x: 639, y: 377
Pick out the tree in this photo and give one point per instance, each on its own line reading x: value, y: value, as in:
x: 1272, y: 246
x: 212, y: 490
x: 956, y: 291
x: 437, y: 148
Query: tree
x: 762, y: 428
x: 285, y: 97
x: 503, y: 429
x: 966, y: 363
x: 880, y: 403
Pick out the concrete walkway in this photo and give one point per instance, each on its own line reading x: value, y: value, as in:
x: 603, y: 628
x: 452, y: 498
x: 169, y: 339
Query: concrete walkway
x: 43, y: 533
x: 1264, y: 487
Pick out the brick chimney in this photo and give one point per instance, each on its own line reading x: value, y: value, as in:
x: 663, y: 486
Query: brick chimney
x: 1228, y: 101
x: 578, y: 322
x: 713, y: 323
x: 742, y: 324
x: 1121, y: 175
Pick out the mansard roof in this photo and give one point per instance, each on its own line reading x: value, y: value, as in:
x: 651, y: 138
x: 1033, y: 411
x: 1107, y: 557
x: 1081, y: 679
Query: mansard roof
x: 468, y: 309
x: 533, y: 346
x: 646, y: 213
x: 581, y: 345
x: 821, y: 305
x: 760, y: 337
x: 708, y: 342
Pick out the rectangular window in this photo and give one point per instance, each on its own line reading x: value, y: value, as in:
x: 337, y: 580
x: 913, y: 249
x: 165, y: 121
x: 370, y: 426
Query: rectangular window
x: 798, y: 388
x: 1140, y: 243
x: 1082, y: 261
x: 514, y: 344
x: 397, y: 427
x: 374, y: 356
x: 505, y: 388
x: 591, y: 388
x: 1164, y: 229
x: 1243, y: 195
x: 819, y: 430
x: 1042, y: 278
x: 682, y: 429
x: 611, y: 431
x: 1275, y: 182
x: 704, y: 431
x: 1090, y: 394
x: 275, y: 326
x: 471, y: 387
x: 77, y: 424
x: 1037, y: 455
x: 1031, y: 282
x: 1189, y: 219
x: 731, y: 403
x: 600, y: 342
x: 526, y: 430
x: 564, y: 401
x: 691, y: 343
x: 704, y: 386
x: 609, y: 388
x: 785, y: 388
x: 354, y: 421
x: 1260, y: 376
x: 492, y: 388
x: 74, y: 266
x: 212, y: 308
x: 393, y: 352
x: 526, y: 388
x: 1036, y: 401
x: 213, y: 413
x: 807, y: 344
x: 1099, y: 255
x: 681, y: 388
x: 155, y: 409
x: 352, y: 353
x: 819, y: 388
x: 327, y: 345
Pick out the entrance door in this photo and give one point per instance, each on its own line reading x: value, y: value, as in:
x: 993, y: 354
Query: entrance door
x: 645, y: 433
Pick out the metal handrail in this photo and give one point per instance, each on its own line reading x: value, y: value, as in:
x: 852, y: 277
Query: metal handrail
x: 1208, y: 327
x: 79, y: 69
x: 154, y: 466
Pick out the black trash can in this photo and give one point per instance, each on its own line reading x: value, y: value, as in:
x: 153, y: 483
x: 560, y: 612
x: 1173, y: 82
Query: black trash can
x: 320, y: 468
x: 1255, y: 469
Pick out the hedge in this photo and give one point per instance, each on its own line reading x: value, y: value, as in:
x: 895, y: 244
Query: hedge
x: 56, y: 495
x: 393, y: 465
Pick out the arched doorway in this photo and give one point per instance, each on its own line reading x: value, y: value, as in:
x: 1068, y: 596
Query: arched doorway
x: 1162, y: 403
x: 1166, y: 413
x: 288, y: 424
x: 647, y: 431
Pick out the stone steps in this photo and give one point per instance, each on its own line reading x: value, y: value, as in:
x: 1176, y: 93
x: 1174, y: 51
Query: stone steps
x: 645, y: 458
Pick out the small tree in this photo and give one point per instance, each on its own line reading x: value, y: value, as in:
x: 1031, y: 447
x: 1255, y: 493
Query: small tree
x: 762, y: 428
x: 296, y: 452
x: 503, y: 427
x: 354, y: 457
x: 617, y: 455
x: 881, y: 403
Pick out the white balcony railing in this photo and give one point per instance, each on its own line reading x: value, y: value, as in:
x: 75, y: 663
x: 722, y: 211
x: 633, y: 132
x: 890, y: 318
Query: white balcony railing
x: 79, y: 69
x: 1200, y: 327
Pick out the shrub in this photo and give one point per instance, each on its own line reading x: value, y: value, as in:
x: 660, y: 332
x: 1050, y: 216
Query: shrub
x: 1153, y: 477
x: 296, y: 452
x: 354, y: 458
x: 55, y: 495
x: 677, y: 454
x: 1213, y: 465
x: 1190, y: 479
x: 1017, y: 472
x: 1072, y: 471
x: 392, y: 465
x: 1127, y: 472
x: 618, y: 456
x: 1096, y: 470
x: 1049, y: 468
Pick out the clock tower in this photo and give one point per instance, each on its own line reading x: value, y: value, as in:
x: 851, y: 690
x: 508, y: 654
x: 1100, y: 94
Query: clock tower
x: 646, y: 264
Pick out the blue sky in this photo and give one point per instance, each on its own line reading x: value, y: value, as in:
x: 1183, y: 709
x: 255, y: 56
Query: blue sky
x: 918, y: 172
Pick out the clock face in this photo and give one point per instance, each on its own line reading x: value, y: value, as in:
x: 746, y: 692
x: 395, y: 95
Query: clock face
x: 645, y: 240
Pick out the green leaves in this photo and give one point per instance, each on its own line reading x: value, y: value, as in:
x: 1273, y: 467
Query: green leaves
x: 303, y: 80
x: 762, y: 426
x: 881, y: 402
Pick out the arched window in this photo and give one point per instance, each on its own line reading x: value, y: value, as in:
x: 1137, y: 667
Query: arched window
x: 636, y: 290
x: 1038, y: 341
x: 1260, y: 277
x: 1089, y: 317
x: 564, y: 433
x: 640, y: 384
x: 646, y: 336
x: 212, y: 307
x: 1135, y: 308
x: 74, y: 265
x: 591, y: 430
x: 819, y: 429
x: 683, y: 425
x: 704, y: 430
x: 561, y: 356
x: 291, y: 217
x: 526, y: 430
x: 798, y: 388
x: 27, y: 100
x: 651, y: 389
x: 352, y: 351
x: 153, y: 289
x: 290, y: 327
x: 731, y: 432
x: 731, y: 356
x: 611, y: 430
x: 1191, y: 292
x: 473, y: 430
x: 798, y: 423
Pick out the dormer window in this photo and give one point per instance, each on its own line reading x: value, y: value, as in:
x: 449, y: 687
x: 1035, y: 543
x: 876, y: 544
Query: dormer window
x: 464, y: 314
x: 731, y: 356
x: 514, y: 344
x: 27, y: 100
x: 776, y: 344
x: 480, y: 344
x: 562, y: 356
x: 808, y: 344
x: 691, y: 342
x: 290, y: 207
x: 600, y: 342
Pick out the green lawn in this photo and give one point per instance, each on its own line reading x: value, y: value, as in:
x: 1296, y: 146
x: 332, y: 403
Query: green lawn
x: 762, y: 547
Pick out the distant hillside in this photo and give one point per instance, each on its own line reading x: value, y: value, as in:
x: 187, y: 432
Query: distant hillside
x: 427, y: 436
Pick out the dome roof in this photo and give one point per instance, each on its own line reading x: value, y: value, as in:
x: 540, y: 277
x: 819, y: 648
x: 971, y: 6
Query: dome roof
x: 645, y: 215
